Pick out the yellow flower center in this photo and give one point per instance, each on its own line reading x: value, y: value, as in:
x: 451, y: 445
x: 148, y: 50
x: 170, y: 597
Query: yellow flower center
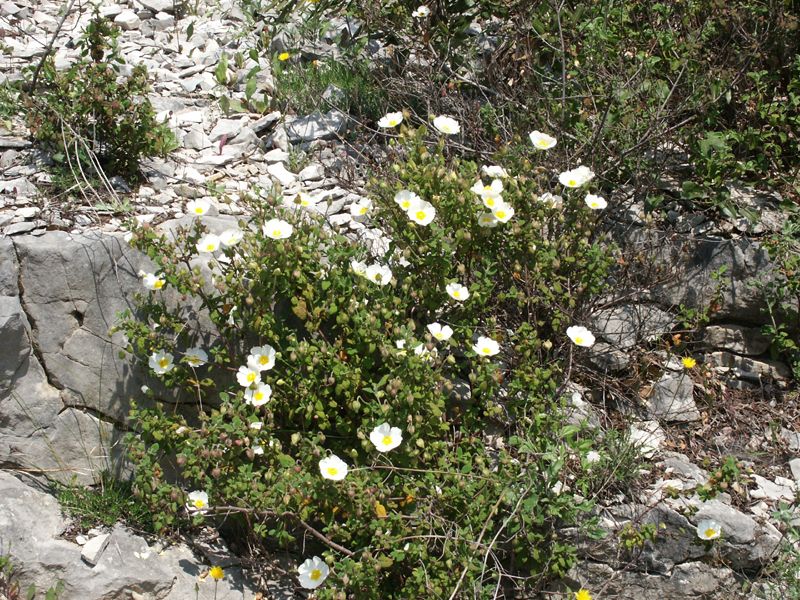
x: 406, y: 204
x: 393, y: 122
x: 210, y: 247
x: 198, y: 210
x: 163, y: 363
x: 362, y: 210
x: 263, y: 359
x: 378, y: 276
x: 485, y: 350
x: 490, y: 202
x: 276, y: 233
x: 387, y: 439
x: 315, y: 574
x: 198, y: 503
x: 579, y: 340
x: 572, y: 183
x: 420, y: 215
x: 158, y: 284
x: 542, y: 143
x: 487, y: 188
x: 258, y: 395
x: 457, y: 294
x: 501, y: 214
x: 710, y: 533
x: 251, y: 377
x: 439, y: 335
x: 333, y: 471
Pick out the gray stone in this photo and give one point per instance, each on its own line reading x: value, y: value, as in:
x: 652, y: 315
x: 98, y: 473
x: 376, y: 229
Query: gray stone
x: 626, y: 325
x: 281, y: 174
x: 686, y: 265
x: 265, y: 122
x: 127, y: 20
x: 317, y: 126
x: 19, y: 228
x: 780, y: 489
x: 736, y: 338
x: 228, y: 128
x: 158, y: 5
x: 749, y: 369
x: 196, y: 139
x: 606, y: 358
x: 31, y: 522
x: 312, y: 172
x: 93, y: 549
x: 794, y: 466
x: 671, y: 399
x: 791, y: 438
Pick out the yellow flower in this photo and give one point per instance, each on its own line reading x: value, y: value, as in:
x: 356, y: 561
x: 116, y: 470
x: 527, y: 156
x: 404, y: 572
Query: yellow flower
x: 688, y: 362
x: 283, y: 56
x: 217, y: 573
x: 583, y: 594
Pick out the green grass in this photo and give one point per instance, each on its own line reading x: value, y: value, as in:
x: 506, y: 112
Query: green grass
x: 110, y: 502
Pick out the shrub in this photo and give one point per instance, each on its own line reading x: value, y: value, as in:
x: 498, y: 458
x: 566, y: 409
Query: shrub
x: 475, y: 490
x: 92, y: 118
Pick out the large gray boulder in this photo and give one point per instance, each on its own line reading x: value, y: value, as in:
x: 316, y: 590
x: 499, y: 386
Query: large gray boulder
x: 127, y: 567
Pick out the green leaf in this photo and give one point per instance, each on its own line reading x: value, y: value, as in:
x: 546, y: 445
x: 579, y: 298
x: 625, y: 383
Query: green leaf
x: 221, y: 72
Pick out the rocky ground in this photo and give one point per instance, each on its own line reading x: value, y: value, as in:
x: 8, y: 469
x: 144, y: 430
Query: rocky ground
x: 63, y: 263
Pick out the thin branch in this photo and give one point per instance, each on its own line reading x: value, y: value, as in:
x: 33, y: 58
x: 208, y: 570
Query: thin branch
x: 49, y: 47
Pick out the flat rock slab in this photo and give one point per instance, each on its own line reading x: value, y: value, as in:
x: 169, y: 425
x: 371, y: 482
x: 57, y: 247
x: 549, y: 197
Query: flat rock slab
x: 127, y: 567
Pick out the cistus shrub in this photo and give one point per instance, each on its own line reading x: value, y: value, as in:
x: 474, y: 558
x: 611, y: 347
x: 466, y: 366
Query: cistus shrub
x: 391, y: 411
x: 93, y: 118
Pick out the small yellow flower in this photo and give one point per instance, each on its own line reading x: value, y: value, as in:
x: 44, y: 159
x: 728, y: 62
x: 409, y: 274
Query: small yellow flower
x: 217, y: 573
x: 688, y: 362
x: 284, y: 56
x: 583, y: 594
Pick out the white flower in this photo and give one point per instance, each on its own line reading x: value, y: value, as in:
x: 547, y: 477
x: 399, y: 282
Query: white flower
x: 592, y: 456
x: 277, y: 229
x: 494, y: 171
x: 301, y: 200
x: 312, y: 573
x: 386, y: 438
x: 259, y: 395
x: 247, y: 376
x: 195, y: 357
x: 595, y: 202
x: 231, y: 237
x: 446, y: 125
x: 262, y: 358
x: 426, y: 355
x: 152, y: 282
x: 457, y: 291
x: 161, y: 362
x: 440, y: 332
x: 359, y: 268
x: 708, y: 530
x: 401, y: 345
x: 257, y: 425
x: 421, y: 12
x: 580, y: 336
x: 486, y: 346
x: 197, y: 207
x: 487, y: 220
x: 490, y: 194
x: 198, y: 501
x: 392, y: 119
x: 542, y: 141
x: 575, y: 178
x: 332, y: 467
x: 554, y: 201
x: 258, y: 450
x: 208, y: 243
x: 422, y: 212
x: 361, y: 208
x: 405, y: 199
x: 380, y: 274
x: 503, y: 212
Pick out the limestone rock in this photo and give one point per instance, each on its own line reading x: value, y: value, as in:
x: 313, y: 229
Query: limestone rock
x: 316, y: 126
x: 627, y: 325
x: 93, y: 549
x: 736, y: 338
x: 749, y: 369
x: 671, y: 399
x: 605, y: 358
